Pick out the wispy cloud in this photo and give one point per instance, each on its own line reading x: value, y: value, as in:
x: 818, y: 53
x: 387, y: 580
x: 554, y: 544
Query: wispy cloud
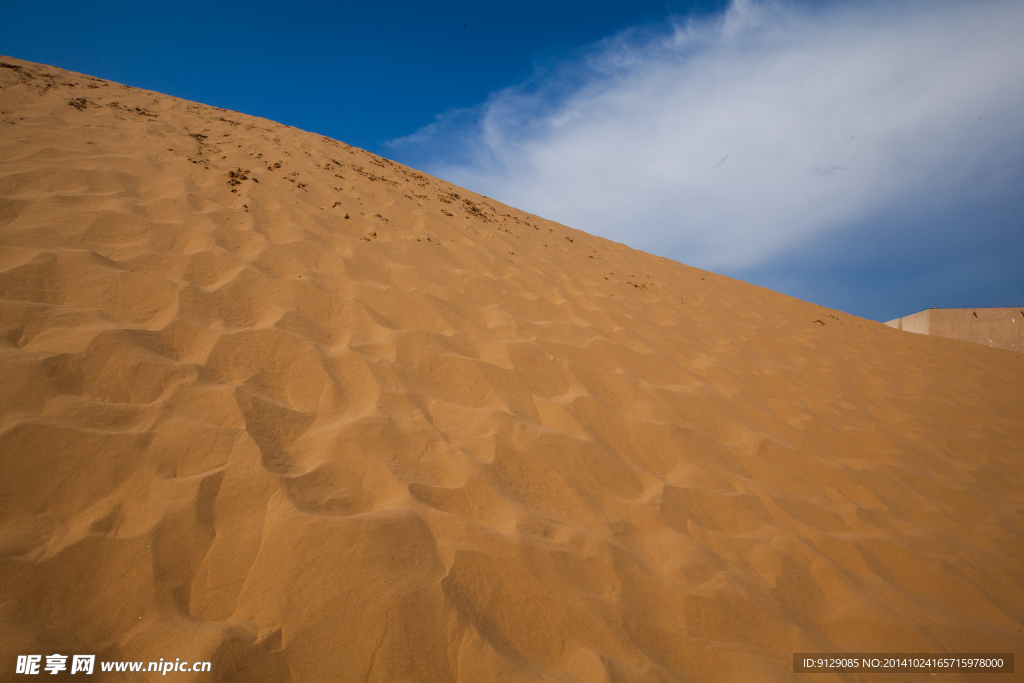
x: 728, y: 141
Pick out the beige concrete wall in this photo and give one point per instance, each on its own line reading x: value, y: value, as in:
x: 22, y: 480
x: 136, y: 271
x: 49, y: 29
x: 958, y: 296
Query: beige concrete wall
x: 996, y: 327
x: 918, y: 322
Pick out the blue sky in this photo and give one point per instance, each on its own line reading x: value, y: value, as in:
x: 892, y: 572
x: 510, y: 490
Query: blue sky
x: 867, y: 156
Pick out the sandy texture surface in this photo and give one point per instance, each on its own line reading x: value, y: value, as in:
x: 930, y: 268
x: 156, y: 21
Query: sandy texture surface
x: 275, y: 402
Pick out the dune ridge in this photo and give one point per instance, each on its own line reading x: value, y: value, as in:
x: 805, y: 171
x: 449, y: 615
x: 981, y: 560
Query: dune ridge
x: 276, y: 402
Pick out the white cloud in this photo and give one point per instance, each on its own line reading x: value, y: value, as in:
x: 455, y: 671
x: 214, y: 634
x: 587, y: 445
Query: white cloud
x: 727, y: 141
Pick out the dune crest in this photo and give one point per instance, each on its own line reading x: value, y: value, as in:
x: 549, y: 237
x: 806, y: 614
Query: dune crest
x: 275, y: 402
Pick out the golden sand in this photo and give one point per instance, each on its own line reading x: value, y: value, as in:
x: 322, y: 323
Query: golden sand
x: 275, y: 402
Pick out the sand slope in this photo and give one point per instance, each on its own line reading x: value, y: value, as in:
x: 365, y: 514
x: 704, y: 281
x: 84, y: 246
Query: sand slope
x: 275, y: 402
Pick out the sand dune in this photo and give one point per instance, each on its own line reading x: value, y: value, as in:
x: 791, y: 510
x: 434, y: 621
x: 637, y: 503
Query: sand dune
x: 275, y: 402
